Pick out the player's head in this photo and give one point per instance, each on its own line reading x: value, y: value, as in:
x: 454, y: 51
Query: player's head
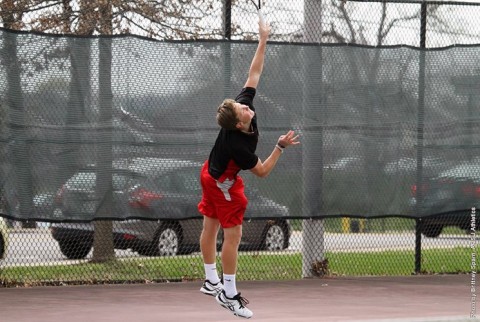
x: 232, y: 115
x: 227, y: 115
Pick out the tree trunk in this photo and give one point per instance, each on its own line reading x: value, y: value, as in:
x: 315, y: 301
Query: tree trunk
x: 20, y: 146
x: 79, y: 88
x: 103, y: 236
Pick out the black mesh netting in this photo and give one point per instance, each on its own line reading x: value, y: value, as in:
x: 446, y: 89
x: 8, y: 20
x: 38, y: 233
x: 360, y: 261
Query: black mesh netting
x: 373, y: 144
x: 117, y: 128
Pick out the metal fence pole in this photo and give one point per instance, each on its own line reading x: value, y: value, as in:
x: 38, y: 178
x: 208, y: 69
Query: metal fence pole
x: 227, y: 48
x: 313, y: 244
x: 227, y: 19
x: 420, y: 137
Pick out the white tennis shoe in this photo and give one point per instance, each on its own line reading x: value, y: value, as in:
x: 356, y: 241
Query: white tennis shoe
x: 236, y: 305
x: 211, y: 289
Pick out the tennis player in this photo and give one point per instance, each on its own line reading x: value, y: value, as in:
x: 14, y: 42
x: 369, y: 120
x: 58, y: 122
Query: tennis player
x: 223, y: 200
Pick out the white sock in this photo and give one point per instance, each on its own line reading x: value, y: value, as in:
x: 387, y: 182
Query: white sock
x: 229, y: 285
x: 211, y: 273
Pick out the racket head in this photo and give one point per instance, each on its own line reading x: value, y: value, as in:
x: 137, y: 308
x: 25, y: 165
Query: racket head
x: 255, y: 4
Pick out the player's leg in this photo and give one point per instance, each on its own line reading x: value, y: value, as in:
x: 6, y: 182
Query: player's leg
x: 208, y: 245
x: 231, y: 240
x: 231, y: 221
x: 208, y: 238
x: 231, y: 218
x: 229, y: 298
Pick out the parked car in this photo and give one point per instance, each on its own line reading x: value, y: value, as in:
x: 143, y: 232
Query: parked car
x: 164, y: 193
x: 3, y: 238
x: 346, y: 163
x: 449, y: 197
x: 42, y: 207
x: 403, y: 166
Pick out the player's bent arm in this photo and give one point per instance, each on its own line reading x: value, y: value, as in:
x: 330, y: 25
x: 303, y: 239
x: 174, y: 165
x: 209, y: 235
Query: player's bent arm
x: 263, y: 169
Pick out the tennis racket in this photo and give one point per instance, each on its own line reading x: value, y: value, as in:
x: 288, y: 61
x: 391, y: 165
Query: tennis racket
x: 259, y: 10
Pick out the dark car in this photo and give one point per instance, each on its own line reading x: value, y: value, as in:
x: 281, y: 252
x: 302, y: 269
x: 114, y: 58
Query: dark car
x: 167, y: 192
x: 450, y: 197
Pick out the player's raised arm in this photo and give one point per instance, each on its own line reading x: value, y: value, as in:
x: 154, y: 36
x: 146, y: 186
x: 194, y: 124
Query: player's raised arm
x: 256, y: 67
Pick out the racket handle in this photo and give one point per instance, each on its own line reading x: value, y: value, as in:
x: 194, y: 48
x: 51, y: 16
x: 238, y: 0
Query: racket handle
x: 261, y: 17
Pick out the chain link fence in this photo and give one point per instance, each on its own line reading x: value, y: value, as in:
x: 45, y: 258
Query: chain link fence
x: 395, y: 150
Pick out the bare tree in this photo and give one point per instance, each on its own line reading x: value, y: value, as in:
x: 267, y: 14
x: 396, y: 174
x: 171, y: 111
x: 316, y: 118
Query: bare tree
x: 166, y: 19
x: 169, y: 19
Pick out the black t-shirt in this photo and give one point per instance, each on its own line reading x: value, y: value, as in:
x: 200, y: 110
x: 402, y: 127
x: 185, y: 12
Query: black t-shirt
x: 234, y: 150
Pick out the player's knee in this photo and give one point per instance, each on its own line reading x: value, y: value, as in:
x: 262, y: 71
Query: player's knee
x: 233, y: 235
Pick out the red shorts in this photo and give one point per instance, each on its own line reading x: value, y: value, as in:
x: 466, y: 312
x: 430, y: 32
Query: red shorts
x: 225, y: 201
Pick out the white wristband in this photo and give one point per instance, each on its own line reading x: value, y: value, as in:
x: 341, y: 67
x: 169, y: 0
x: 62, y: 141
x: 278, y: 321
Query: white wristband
x: 279, y: 147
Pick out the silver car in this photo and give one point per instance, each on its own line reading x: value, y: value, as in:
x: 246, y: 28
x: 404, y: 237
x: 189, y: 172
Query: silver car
x: 162, y: 195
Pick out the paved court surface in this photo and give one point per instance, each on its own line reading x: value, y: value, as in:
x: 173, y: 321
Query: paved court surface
x: 412, y: 298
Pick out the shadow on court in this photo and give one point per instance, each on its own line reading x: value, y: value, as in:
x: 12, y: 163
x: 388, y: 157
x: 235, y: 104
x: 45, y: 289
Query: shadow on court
x: 412, y: 298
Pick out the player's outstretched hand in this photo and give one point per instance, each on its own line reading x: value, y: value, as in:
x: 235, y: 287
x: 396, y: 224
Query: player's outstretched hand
x: 288, y: 139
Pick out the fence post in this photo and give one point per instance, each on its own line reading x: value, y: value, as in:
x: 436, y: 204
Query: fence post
x: 313, y: 245
x: 420, y: 137
x: 227, y: 19
x: 227, y: 48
